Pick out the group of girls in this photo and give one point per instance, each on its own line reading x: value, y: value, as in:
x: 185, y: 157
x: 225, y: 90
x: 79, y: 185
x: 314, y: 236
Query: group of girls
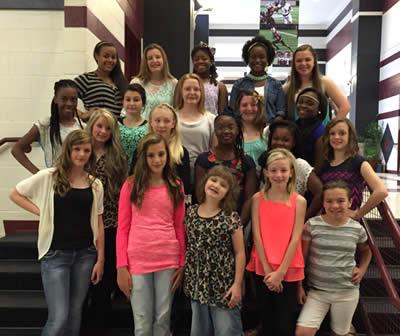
x: 141, y: 238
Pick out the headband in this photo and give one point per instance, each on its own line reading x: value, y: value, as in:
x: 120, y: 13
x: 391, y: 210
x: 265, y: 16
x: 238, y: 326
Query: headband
x: 255, y: 44
x: 309, y: 96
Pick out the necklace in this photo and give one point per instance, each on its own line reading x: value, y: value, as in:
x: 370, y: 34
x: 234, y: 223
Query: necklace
x: 257, y: 78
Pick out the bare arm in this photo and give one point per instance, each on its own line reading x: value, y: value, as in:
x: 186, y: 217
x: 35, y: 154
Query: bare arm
x: 98, y: 268
x: 240, y: 258
x: 318, y: 155
x: 24, y: 146
x: 379, y: 191
x: 314, y: 185
x: 255, y: 226
x: 24, y: 202
x: 250, y: 188
x: 338, y: 98
x: 222, y: 97
x: 365, y: 255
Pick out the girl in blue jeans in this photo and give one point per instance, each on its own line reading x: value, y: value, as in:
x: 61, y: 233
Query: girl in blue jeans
x: 215, y: 257
x: 69, y: 203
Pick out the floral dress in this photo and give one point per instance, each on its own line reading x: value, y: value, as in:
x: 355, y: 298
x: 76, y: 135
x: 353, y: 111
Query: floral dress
x: 210, y: 261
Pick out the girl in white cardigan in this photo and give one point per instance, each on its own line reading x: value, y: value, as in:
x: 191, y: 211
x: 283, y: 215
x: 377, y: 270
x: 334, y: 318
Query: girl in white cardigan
x: 69, y: 203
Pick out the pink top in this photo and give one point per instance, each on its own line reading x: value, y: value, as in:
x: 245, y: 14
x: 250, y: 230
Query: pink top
x: 150, y: 238
x: 277, y: 221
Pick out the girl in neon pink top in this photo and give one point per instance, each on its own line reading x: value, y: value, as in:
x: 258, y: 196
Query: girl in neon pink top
x: 151, y: 237
x: 276, y: 259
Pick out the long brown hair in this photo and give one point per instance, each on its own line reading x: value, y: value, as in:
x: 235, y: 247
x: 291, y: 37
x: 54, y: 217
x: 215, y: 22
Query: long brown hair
x: 116, y: 167
x: 142, y: 173
x: 178, y: 104
x: 63, y: 164
x: 295, y: 81
x: 352, y: 148
x: 144, y: 73
x: 228, y: 203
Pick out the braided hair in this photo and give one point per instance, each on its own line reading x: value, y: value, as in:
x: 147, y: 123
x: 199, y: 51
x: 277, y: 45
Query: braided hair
x: 213, y: 69
x: 229, y: 112
x: 55, y: 136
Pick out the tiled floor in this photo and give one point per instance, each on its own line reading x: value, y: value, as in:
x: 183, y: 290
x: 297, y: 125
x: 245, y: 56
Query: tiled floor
x: 392, y: 182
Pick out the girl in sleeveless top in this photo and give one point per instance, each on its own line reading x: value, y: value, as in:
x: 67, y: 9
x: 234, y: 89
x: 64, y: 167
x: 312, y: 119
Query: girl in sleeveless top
x: 276, y: 259
x: 216, y: 94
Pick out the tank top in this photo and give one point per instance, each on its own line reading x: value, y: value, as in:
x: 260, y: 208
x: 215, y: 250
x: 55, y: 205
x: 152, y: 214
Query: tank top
x: 211, y: 97
x: 276, y: 220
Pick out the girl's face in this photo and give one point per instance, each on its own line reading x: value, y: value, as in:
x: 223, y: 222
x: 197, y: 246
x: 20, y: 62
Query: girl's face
x: 156, y: 158
x: 336, y: 203
x: 80, y: 154
x: 191, y: 93
x: 66, y: 100
x: 279, y: 172
x: 304, y: 62
x: 133, y: 103
x: 258, y: 60
x: 248, y: 108
x: 106, y: 58
x: 201, y: 62
x: 155, y: 61
x: 339, y: 136
x: 216, y: 188
x: 226, y: 130
x: 162, y: 122
x: 307, y: 107
x: 101, y: 131
x: 282, y: 138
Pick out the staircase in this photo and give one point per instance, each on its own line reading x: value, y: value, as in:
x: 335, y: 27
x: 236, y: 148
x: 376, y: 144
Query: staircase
x: 23, y: 310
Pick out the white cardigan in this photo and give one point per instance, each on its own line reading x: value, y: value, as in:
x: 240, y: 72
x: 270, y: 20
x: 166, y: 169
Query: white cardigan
x: 39, y: 189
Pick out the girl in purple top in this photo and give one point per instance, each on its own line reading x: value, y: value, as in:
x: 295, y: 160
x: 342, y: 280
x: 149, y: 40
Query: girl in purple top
x: 151, y: 237
x: 343, y: 162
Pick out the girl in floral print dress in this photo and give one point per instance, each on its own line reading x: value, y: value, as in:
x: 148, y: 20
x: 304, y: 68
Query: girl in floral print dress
x: 215, y: 257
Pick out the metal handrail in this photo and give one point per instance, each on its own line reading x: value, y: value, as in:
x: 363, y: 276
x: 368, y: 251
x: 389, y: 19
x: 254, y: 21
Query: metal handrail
x: 390, y: 221
x: 9, y: 139
x: 386, y: 278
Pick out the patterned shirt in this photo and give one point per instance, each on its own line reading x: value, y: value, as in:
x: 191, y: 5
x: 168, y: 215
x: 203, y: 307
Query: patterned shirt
x: 348, y: 171
x: 130, y: 138
x: 94, y: 92
x: 210, y: 261
x: 331, y: 256
x: 110, y: 214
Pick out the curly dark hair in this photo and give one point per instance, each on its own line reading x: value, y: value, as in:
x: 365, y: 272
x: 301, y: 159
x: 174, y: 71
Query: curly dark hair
x: 213, y: 69
x: 261, y: 41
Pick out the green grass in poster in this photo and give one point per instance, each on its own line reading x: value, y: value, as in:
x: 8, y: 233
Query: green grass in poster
x: 289, y: 36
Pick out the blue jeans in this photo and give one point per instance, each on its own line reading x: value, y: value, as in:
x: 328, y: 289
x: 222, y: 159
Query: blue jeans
x: 151, y: 301
x: 66, y: 278
x: 215, y: 321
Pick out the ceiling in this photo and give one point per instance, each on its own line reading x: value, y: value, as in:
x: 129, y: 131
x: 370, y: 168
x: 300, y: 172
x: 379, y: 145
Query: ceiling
x: 319, y: 13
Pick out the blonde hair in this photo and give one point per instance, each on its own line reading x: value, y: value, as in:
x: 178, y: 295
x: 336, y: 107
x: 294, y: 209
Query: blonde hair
x: 282, y: 154
x: 228, y: 203
x: 178, y: 100
x: 174, y: 140
x: 144, y: 73
x: 116, y: 167
x: 63, y: 164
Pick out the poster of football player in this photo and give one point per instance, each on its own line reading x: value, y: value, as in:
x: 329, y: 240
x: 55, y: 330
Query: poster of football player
x: 279, y: 23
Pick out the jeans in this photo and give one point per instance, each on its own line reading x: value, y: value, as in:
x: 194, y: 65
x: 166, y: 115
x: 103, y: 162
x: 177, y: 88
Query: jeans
x: 215, y: 321
x: 66, y: 278
x: 151, y: 301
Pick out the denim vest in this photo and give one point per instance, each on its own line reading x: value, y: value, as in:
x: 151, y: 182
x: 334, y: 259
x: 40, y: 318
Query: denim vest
x: 274, y: 98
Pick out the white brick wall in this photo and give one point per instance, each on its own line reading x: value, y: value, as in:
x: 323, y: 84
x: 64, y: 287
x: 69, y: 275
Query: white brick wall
x: 36, y: 50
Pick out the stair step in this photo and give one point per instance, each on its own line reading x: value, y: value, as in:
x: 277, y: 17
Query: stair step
x: 20, y: 274
x: 379, y: 305
x: 19, y: 246
x: 20, y: 331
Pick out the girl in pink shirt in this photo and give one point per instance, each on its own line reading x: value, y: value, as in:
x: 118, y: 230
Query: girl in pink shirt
x: 276, y: 259
x: 151, y: 237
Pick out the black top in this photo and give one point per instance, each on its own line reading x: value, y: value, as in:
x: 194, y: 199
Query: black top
x: 72, y: 230
x: 238, y: 167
